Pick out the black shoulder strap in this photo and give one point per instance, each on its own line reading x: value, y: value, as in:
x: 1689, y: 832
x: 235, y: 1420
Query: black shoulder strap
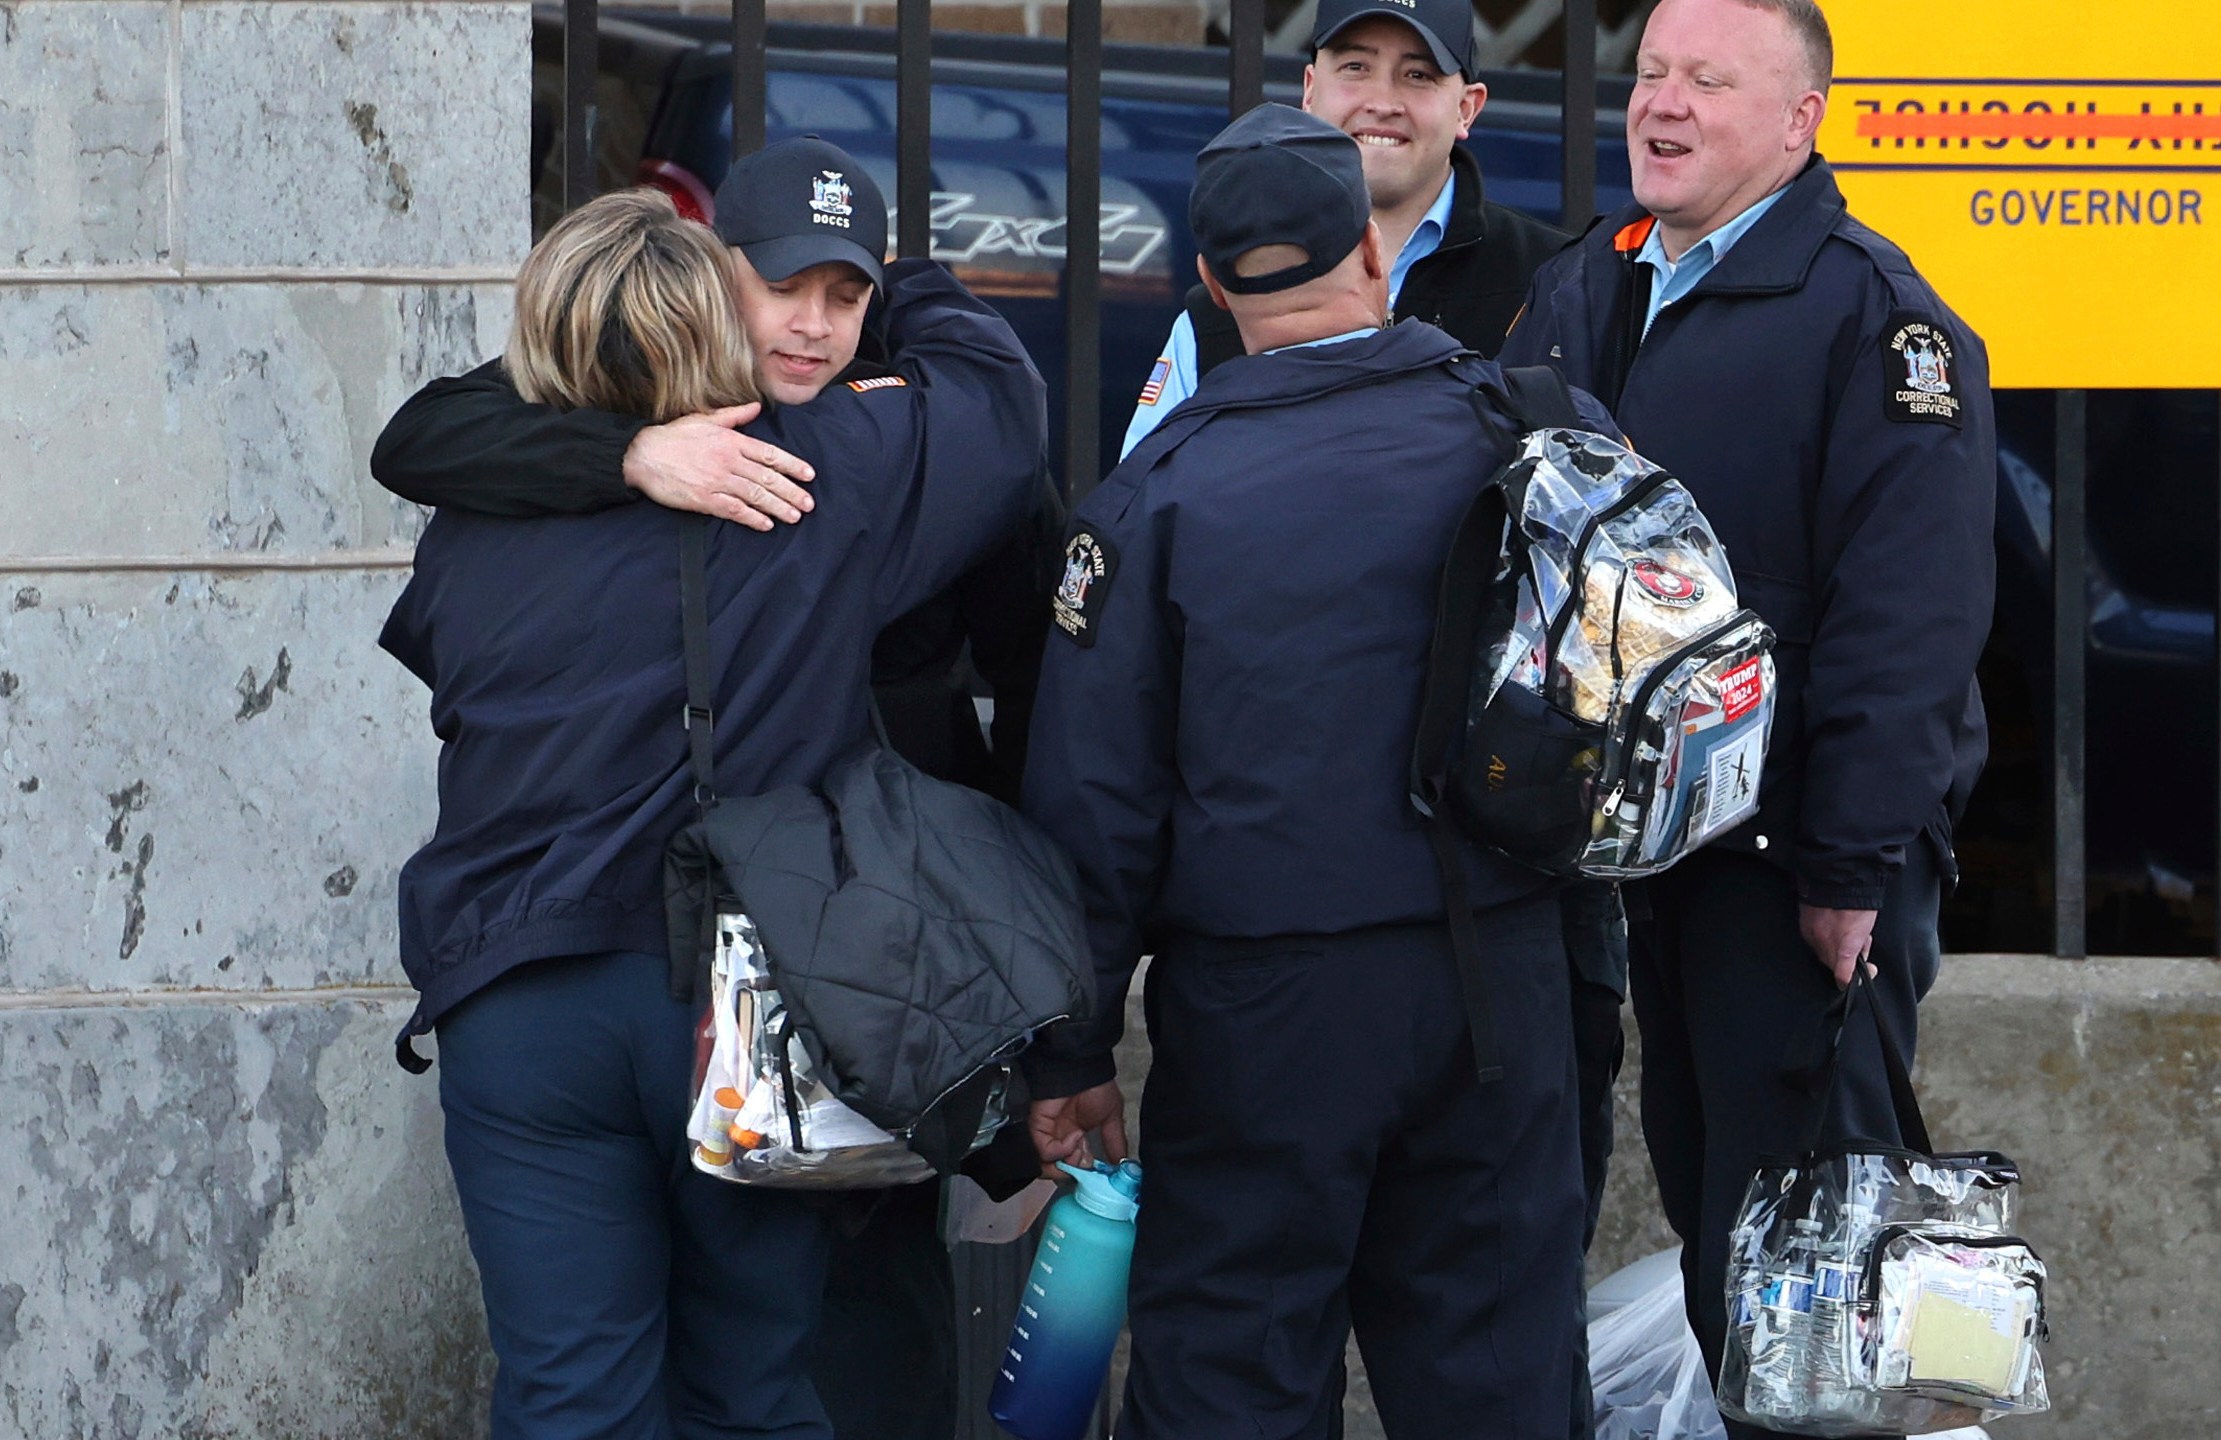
x: 1217, y: 338
x: 1541, y: 400
x: 699, y: 719
x: 696, y: 909
x: 1475, y: 553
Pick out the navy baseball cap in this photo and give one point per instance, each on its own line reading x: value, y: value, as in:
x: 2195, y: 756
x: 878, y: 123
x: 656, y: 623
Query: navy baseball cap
x: 1278, y: 177
x: 1446, y: 26
x: 801, y: 203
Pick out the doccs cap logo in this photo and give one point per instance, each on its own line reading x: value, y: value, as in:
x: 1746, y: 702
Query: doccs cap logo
x: 1667, y: 587
x: 1920, y: 366
x: 830, y: 199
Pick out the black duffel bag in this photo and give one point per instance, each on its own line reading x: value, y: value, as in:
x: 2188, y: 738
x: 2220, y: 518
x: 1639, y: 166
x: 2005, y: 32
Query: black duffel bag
x: 920, y: 933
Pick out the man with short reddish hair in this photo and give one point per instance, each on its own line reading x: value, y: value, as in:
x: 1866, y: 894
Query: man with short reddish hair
x: 1832, y: 416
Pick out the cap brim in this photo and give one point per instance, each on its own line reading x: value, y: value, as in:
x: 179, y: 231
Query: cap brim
x: 786, y: 255
x: 1445, y: 59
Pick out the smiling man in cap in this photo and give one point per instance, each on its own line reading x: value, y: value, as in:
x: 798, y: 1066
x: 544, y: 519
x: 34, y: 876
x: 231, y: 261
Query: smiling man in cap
x: 1221, y: 741
x: 1399, y: 77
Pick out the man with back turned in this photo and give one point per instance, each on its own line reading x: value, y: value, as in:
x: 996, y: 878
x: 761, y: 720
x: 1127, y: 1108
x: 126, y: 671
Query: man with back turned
x: 1221, y: 739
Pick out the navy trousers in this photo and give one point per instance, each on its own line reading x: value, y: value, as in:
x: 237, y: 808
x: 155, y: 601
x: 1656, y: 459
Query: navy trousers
x: 628, y: 1297
x: 1728, y: 998
x: 1596, y: 947
x: 1321, y: 1156
x: 884, y: 1360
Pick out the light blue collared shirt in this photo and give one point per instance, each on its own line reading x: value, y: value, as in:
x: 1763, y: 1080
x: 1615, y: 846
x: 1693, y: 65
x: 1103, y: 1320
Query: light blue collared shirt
x: 1173, y: 378
x: 1673, y: 279
x: 1358, y: 334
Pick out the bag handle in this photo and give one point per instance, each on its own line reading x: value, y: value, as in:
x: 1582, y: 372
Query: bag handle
x: 1910, y: 1123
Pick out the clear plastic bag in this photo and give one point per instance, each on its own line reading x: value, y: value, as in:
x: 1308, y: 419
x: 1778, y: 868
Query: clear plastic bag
x: 1881, y: 1291
x: 1646, y: 1374
x: 761, y: 1116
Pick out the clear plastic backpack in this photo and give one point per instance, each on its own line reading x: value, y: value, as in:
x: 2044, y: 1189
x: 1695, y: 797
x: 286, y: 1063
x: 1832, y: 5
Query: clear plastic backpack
x: 1598, y: 701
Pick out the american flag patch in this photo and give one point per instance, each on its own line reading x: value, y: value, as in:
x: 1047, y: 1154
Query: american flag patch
x: 877, y: 382
x: 1152, y: 392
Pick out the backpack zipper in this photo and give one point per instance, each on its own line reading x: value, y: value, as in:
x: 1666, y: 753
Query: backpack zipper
x: 1624, y: 761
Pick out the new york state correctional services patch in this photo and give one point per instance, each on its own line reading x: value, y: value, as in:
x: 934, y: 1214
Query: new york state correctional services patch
x: 1920, y: 373
x: 1089, y: 564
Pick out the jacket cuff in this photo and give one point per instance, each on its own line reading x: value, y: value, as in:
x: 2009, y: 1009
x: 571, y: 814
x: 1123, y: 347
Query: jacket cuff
x: 1845, y: 885
x: 1052, y: 1076
x: 608, y: 470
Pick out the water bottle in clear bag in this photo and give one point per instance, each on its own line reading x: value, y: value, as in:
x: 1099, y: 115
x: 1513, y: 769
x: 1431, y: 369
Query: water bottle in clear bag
x: 1780, y: 1383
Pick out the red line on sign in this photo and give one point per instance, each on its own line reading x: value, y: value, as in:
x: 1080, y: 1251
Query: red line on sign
x: 2039, y: 126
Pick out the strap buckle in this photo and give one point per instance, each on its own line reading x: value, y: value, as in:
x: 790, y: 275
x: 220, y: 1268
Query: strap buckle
x: 690, y: 713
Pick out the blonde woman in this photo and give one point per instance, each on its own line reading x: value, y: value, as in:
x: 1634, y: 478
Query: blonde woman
x: 627, y: 1296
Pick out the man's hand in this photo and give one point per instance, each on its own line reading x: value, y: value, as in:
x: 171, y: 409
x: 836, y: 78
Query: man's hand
x: 703, y: 464
x: 1060, y: 1126
x: 1839, y: 938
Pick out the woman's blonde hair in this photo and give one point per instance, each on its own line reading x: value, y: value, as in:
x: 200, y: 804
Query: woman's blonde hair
x: 625, y: 306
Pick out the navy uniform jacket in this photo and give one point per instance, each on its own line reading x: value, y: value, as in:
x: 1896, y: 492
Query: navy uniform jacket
x: 552, y: 648
x: 1832, y: 417
x: 1224, y: 726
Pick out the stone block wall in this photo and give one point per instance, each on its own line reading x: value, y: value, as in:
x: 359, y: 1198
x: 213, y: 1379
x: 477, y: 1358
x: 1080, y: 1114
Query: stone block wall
x: 233, y: 237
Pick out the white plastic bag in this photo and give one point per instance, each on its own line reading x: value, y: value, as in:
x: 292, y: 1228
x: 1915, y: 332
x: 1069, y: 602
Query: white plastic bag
x: 1646, y: 1373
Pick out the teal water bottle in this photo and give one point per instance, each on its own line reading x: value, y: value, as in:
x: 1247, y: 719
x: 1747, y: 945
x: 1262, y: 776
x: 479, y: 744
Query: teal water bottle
x: 1070, y: 1313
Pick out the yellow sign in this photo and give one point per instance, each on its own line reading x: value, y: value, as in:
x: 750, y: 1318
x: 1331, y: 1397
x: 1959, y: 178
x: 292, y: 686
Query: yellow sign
x: 2054, y: 169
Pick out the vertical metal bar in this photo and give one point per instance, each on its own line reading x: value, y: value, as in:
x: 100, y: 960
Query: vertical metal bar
x: 1083, y: 257
x: 1579, y: 123
x: 914, y: 127
x: 581, y: 58
x: 2070, y: 617
x: 1245, y: 66
x: 750, y: 94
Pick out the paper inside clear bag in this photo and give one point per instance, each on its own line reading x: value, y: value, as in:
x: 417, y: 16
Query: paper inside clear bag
x: 761, y: 1114
x: 1882, y: 1292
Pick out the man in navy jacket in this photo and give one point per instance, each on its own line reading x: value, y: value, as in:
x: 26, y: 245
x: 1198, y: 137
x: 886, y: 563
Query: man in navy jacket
x: 1222, y: 739
x: 1833, y: 418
